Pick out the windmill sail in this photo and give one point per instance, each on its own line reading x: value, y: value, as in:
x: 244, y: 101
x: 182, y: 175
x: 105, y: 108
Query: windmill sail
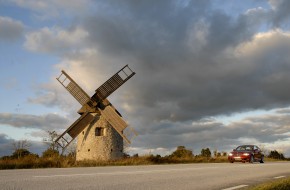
x: 64, y: 140
x: 113, y: 83
x: 115, y: 121
x: 74, y: 89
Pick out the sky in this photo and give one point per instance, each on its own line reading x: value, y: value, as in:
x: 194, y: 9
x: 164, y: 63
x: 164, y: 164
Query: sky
x: 209, y: 73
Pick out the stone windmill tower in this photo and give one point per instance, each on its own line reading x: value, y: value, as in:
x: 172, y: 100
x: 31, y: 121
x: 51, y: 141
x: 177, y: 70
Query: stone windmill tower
x: 100, y: 128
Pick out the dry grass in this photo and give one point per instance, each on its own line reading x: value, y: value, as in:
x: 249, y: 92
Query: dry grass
x: 281, y: 184
x: 31, y: 161
x: 64, y: 162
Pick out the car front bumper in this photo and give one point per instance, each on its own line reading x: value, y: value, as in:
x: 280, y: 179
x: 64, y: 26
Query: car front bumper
x: 239, y: 158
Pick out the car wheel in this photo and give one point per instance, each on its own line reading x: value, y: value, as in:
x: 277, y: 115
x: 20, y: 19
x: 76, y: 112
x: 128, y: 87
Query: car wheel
x: 251, y: 159
x: 262, y: 160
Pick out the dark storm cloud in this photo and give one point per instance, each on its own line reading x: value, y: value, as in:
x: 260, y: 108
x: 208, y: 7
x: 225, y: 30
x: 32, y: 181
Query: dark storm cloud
x: 280, y: 12
x: 193, y: 61
x: 47, y: 122
x: 182, y: 76
x: 214, y: 134
x: 7, y: 148
x: 5, y: 145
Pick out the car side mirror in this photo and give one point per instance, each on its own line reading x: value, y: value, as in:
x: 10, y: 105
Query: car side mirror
x: 234, y: 149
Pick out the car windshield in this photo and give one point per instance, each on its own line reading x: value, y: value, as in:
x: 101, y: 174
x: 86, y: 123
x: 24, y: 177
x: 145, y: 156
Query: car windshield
x: 245, y: 148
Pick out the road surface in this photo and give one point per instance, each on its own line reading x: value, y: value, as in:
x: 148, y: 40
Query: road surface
x: 176, y: 177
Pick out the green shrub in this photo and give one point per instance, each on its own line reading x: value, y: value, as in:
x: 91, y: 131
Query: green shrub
x: 49, y: 153
x: 181, y: 152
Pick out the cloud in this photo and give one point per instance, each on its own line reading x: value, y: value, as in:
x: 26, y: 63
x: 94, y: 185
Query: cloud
x: 53, y: 8
x: 56, y: 40
x: 45, y: 122
x: 280, y: 11
x: 193, y: 62
x: 53, y: 95
x: 10, y: 29
x: 265, y: 131
x: 6, y: 146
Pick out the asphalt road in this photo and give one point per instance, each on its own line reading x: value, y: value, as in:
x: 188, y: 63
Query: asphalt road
x: 176, y: 177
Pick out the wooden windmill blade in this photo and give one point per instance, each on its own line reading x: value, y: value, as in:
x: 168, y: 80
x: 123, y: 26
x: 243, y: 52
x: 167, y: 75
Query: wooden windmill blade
x: 83, y: 98
x: 113, y: 83
x: 74, y: 89
x: 72, y: 132
x: 114, y: 119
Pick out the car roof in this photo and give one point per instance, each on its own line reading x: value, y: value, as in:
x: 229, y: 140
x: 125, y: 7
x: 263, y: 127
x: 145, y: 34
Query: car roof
x: 247, y: 145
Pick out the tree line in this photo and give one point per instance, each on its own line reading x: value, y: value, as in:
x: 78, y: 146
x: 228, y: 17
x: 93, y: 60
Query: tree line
x: 21, y: 150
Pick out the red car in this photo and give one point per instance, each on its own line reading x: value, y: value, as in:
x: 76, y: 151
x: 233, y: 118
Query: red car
x: 246, y: 153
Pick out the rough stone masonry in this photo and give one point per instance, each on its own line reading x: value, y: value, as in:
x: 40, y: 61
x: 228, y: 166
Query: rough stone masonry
x: 99, y: 141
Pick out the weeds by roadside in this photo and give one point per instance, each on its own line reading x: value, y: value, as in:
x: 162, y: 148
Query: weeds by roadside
x: 66, y: 161
x: 281, y: 184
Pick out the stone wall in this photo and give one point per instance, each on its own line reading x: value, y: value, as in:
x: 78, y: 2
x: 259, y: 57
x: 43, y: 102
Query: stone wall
x: 108, y: 146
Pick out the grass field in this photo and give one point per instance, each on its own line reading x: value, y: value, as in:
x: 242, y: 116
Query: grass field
x: 65, y: 162
x: 280, y: 184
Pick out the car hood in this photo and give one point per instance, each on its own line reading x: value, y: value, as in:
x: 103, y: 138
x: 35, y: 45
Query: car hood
x: 242, y: 151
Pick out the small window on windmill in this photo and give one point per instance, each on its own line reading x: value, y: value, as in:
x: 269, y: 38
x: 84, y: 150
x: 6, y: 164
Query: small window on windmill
x: 99, y: 131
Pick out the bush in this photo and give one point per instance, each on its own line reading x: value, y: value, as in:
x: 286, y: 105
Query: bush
x: 50, y: 153
x: 20, y: 153
x: 206, y: 152
x: 181, y: 152
x: 276, y: 155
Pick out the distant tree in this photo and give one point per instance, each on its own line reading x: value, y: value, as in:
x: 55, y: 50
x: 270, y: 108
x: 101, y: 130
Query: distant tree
x: 21, y: 144
x: 181, y: 152
x: 5, y: 157
x: 276, y: 155
x: 21, y: 148
x: 20, y: 153
x: 50, y: 140
x: 215, y: 153
x: 205, y: 152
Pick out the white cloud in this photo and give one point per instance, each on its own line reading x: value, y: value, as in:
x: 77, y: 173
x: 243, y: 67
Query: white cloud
x: 265, y: 42
x: 10, y: 29
x: 55, y: 40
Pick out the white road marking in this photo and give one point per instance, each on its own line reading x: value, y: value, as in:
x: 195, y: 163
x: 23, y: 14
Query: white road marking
x: 121, y: 173
x: 236, y: 187
x: 278, y: 177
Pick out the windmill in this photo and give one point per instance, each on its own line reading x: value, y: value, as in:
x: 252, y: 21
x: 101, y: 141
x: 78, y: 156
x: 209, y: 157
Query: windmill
x: 100, y: 128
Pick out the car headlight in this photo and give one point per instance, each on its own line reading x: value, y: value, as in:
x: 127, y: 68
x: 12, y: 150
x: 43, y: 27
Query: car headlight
x: 246, y: 154
x: 230, y: 154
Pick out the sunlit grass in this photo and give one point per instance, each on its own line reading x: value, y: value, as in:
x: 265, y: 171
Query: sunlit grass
x: 66, y: 161
x: 53, y: 160
x: 280, y: 184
